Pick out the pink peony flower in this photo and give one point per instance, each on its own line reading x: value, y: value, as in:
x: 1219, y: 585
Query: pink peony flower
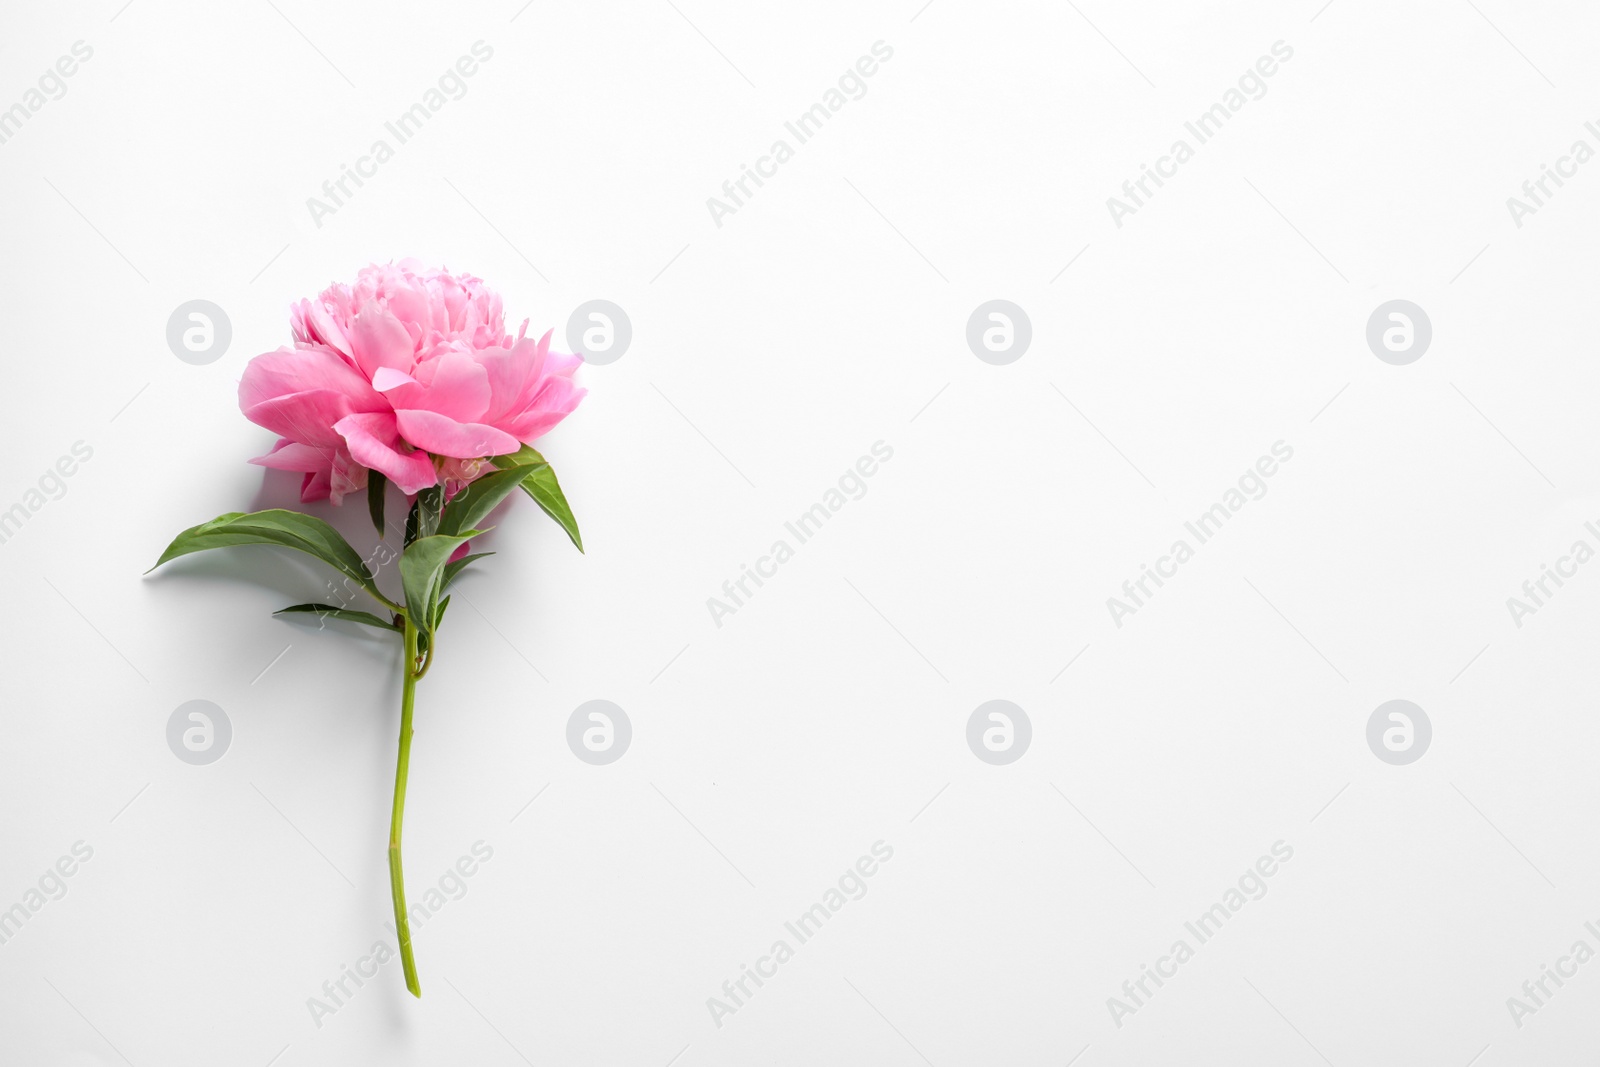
x: 408, y: 372
x: 433, y: 305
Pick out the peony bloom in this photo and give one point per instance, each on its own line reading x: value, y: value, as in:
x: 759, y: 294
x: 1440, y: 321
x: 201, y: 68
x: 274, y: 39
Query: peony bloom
x: 408, y: 372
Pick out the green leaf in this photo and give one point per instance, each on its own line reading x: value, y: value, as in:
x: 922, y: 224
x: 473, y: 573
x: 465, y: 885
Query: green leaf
x: 290, y: 529
x: 423, y: 518
x: 376, y: 483
x: 430, y: 504
x: 425, y: 636
x: 453, y: 569
x: 473, y: 504
x: 421, y: 569
x: 328, y: 610
x: 540, y: 484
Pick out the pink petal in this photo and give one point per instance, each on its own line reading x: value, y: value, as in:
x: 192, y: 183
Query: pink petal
x: 314, y: 487
x: 513, y: 375
x: 314, y: 326
x: 411, y: 305
x: 293, y: 456
x: 562, y: 364
x: 556, y: 401
x: 296, y: 370
x: 346, y: 477
x: 372, y: 438
x: 388, y: 378
x: 458, y: 388
x: 307, y: 416
x: 378, y: 339
x: 444, y: 436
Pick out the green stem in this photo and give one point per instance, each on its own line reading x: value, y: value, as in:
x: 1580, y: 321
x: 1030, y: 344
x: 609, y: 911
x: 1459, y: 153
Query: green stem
x: 397, y: 881
x: 386, y: 602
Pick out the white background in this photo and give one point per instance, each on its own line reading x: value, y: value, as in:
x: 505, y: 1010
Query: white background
x: 769, y: 354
